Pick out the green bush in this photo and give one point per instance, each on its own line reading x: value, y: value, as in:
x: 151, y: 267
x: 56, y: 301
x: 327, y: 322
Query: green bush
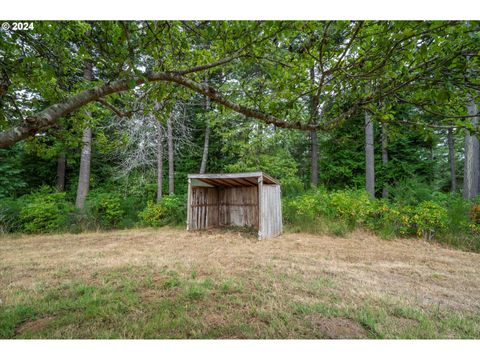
x: 131, y: 206
x: 430, y: 219
x: 411, y: 192
x: 304, y: 208
x: 44, y: 211
x: 353, y: 206
x: 170, y: 210
x: 152, y: 215
x: 105, y: 208
x: 393, y: 220
x: 10, y: 215
x: 314, y: 212
x: 445, y: 217
x: 292, y: 186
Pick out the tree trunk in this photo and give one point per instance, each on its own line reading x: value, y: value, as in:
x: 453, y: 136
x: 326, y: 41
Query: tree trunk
x: 384, y: 160
x: 472, y: 161
x: 84, y: 175
x: 431, y: 161
x: 314, y: 158
x: 313, y: 134
x: 171, y: 178
x: 159, y: 162
x: 203, y: 165
x: 61, y: 167
x: 451, y: 160
x: 369, y: 156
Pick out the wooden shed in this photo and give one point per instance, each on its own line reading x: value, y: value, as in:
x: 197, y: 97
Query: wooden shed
x: 241, y: 199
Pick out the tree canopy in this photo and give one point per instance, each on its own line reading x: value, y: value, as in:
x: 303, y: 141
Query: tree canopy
x: 270, y: 71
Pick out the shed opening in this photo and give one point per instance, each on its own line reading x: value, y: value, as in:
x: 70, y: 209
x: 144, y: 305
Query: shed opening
x: 240, y: 199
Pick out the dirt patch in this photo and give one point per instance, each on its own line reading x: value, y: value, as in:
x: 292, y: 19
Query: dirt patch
x: 402, y: 323
x: 337, y: 327
x: 150, y: 295
x: 34, y: 325
x: 398, y: 326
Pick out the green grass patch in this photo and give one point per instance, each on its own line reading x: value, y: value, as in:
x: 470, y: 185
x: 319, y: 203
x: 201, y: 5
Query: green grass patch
x: 141, y: 302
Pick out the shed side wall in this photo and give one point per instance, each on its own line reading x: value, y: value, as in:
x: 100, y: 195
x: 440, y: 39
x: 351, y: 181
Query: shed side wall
x: 271, y: 211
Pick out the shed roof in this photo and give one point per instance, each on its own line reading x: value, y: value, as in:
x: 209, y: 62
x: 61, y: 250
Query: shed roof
x: 234, y: 179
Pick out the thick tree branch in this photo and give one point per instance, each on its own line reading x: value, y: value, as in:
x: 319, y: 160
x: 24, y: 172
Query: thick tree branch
x: 424, y: 108
x: 48, y: 117
x: 432, y: 126
x: 236, y: 55
x: 113, y: 108
x: 209, y: 65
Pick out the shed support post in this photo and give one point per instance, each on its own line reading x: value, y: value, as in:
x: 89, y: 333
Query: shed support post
x: 218, y: 206
x: 260, y: 208
x: 189, y: 205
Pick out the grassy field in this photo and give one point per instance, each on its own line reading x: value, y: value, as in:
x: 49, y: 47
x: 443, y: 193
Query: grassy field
x: 168, y: 283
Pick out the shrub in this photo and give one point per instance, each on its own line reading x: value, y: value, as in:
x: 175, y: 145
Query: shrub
x: 399, y: 220
x: 315, y: 212
x: 131, y: 206
x: 353, y: 206
x: 44, y: 211
x: 475, y: 213
x: 292, y: 186
x: 411, y: 192
x: 304, y: 208
x: 152, y: 215
x: 338, y: 211
x: 170, y: 210
x: 430, y: 218
x: 9, y: 215
x: 105, y: 208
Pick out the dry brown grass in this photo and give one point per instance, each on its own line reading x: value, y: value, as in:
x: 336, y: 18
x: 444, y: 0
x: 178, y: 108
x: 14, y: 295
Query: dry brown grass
x: 173, y: 283
x: 355, y: 268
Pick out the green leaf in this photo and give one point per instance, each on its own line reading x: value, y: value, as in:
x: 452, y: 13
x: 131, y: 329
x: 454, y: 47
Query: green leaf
x: 131, y: 84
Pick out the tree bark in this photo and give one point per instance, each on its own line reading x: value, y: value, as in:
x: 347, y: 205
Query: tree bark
x: 313, y: 133
x: 203, y: 165
x: 431, y: 159
x: 451, y: 160
x: 472, y: 161
x: 314, y: 158
x: 171, y: 174
x: 159, y: 162
x: 84, y: 174
x: 369, y: 156
x: 61, y: 168
x: 384, y: 160
x: 206, y: 143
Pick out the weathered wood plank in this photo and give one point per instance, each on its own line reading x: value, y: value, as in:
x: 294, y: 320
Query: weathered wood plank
x: 189, y: 205
x: 261, y: 210
x: 271, y: 216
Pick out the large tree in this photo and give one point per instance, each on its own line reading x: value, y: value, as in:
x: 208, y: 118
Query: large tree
x: 85, y: 159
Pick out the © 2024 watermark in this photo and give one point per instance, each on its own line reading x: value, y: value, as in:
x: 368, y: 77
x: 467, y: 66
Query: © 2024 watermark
x: 17, y: 25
